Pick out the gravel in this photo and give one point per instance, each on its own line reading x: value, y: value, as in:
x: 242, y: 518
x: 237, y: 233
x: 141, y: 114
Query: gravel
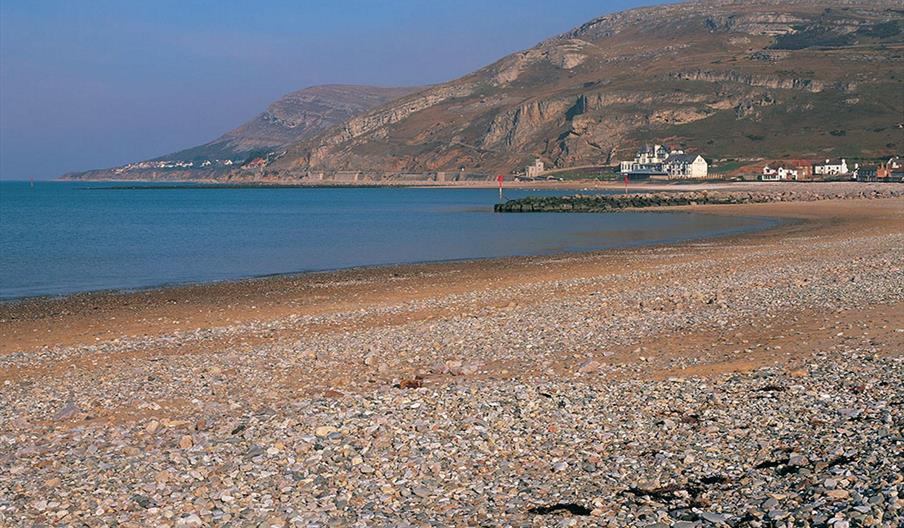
x: 526, y: 414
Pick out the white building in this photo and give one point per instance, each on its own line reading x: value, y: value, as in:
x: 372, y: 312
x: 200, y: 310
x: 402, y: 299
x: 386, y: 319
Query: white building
x: 660, y: 161
x: 535, y: 170
x: 779, y: 172
x: 680, y: 165
x: 830, y: 168
x: 647, y: 160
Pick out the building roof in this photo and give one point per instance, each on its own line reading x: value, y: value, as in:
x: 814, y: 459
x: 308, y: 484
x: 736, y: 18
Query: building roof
x: 652, y: 149
x: 829, y: 162
x: 683, y: 158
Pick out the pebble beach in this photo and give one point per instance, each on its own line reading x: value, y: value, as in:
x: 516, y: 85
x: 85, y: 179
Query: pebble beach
x: 753, y: 380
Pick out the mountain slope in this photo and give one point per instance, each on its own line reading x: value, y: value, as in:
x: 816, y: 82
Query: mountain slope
x: 295, y: 116
x: 726, y: 78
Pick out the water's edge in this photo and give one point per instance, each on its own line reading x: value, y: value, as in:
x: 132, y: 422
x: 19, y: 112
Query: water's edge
x: 767, y: 223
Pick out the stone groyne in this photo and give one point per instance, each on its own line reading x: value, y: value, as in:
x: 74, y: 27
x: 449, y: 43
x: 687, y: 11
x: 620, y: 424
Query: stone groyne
x: 601, y: 203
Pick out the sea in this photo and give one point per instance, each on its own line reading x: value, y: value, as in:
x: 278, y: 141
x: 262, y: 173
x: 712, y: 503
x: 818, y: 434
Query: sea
x: 59, y: 238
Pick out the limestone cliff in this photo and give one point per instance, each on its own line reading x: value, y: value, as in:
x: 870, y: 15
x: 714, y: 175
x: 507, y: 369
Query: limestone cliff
x: 293, y: 117
x: 727, y: 78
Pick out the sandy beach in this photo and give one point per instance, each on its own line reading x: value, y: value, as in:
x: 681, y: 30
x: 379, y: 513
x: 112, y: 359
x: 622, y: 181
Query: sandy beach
x: 753, y: 380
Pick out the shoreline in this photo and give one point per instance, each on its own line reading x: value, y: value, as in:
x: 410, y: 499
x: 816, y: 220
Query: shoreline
x: 747, y: 376
x: 772, y: 223
x: 82, y: 304
x: 615, y: 184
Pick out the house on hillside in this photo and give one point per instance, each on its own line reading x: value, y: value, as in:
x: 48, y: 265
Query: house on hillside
x: 804, y: 169
x: 893, y: 170
x: 256, y: 163
x: 647, y: 162
x: 867, y: 173
x: 535, y: 170
x: 649, y: 155
x: 681, y: 166
x: 836, y: 167
x: 779, y: 171
x: 658, y: 160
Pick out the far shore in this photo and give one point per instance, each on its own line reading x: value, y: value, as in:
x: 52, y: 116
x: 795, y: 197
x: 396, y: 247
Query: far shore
x: 588, y: 184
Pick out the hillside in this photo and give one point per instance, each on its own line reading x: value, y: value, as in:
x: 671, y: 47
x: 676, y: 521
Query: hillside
x: 295, y: 116
x: 727, y: 79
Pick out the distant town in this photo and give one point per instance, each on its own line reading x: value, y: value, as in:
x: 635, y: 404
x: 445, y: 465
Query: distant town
x: 660, y: 162
x: 651, y: 162
x: 891, y: 170
x: 172, y: 164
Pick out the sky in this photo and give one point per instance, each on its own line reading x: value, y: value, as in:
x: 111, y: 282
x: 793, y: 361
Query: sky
x: 95, y: 84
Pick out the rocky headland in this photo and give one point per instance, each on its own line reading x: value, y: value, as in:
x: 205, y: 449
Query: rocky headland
x: 751, y: 80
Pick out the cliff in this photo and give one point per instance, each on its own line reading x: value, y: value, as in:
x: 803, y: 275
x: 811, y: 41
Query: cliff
x: 294, y: 117
x: 728, y: 78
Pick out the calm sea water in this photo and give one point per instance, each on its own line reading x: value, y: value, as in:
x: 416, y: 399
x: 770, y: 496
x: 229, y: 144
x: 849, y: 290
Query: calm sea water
x: 59, y: 238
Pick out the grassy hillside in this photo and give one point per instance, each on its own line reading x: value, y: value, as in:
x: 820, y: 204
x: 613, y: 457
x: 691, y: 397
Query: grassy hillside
x: 727, y: 79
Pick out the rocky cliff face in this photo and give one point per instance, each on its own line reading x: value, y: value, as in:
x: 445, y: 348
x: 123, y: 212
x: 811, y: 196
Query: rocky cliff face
x: 294, y: 117
x: 305, y: 113
x: 726, y: 78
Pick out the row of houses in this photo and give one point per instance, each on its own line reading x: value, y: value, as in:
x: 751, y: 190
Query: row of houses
x: 662, y: 162
x: 170, y: 164
x: 797, y: 170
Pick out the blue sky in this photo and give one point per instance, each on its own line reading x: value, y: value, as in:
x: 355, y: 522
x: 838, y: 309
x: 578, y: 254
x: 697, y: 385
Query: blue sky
x: 89, y: 84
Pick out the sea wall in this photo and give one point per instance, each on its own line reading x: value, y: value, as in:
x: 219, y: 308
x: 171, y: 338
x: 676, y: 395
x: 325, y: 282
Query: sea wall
x: 583, y: 203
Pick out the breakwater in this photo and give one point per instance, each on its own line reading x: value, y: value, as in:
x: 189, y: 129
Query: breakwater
x: 583, y: 203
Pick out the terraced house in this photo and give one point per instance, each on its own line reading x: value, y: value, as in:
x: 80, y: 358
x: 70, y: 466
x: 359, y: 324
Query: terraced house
x: 681, y: 165
x: 658, y: 161
x: 837, y: 167
x: 779, y: 171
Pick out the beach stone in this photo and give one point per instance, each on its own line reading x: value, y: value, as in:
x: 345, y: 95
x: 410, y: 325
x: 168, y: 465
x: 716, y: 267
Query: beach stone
x: 713, y: 429
x: 324, y: 430
x: 421, y: 491
x: 590, y: 366
x: 454, y: 367
x: 190, y: 520
x: 68, y: 411
x: 838, y: 494
x: 715, y: 518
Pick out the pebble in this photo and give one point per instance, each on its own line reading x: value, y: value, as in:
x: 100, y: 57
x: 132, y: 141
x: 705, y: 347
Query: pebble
x: 257, y: 442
